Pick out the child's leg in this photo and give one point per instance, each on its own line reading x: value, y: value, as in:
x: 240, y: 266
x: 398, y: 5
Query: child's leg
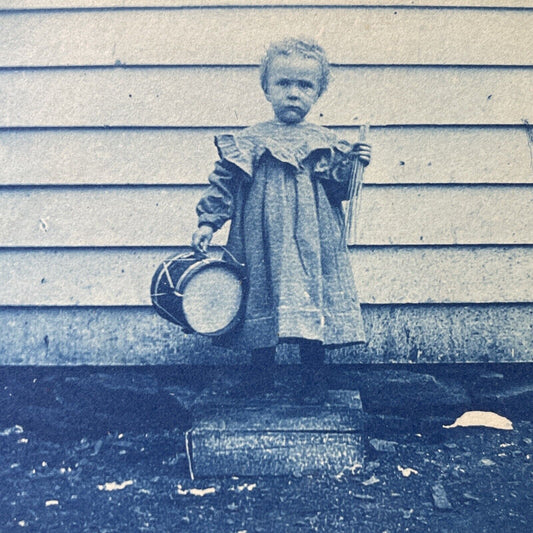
x: 314, y: 384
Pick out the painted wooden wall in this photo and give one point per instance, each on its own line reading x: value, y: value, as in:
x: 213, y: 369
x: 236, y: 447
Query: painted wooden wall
x: 107, y: 114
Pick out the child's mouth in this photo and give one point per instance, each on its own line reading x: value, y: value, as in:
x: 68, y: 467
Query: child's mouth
x: 293, y: 109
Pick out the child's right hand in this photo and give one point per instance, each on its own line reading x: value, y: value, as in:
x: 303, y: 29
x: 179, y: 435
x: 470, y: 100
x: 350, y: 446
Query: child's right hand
x: 201, y: 238
x: 363, y: 152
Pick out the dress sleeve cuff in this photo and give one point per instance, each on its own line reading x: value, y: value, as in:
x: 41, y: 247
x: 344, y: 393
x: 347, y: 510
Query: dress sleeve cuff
x: 213, y: 220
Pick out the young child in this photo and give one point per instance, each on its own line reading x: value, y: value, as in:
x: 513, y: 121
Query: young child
x: 281, y: 184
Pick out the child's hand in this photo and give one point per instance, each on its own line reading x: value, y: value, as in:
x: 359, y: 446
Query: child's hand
x: 201, y: 238
x: 361, y: 151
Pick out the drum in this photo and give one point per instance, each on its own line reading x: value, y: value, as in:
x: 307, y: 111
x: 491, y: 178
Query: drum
x: 199, y: 293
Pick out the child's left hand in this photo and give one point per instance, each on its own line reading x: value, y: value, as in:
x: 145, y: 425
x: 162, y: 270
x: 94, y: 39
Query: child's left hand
x: 361, y: 151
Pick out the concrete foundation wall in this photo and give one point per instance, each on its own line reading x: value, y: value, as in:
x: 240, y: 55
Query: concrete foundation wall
x: 137, y: 335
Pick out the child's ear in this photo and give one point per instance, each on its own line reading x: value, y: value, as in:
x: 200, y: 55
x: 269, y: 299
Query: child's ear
x: 267, y: 94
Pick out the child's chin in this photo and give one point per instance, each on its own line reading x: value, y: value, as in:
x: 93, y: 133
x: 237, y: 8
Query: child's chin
x: 291, y: 118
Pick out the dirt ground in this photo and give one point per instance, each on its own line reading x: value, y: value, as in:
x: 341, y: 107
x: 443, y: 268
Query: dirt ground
x: 72, y: 461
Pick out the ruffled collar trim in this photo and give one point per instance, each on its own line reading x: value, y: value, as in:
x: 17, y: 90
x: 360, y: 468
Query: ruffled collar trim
x: 290, y: 144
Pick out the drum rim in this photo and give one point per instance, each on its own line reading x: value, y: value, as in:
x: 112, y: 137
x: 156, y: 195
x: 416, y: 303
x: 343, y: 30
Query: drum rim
x: 239, y: 269
x: 162, y: 271
x: 178, y: 318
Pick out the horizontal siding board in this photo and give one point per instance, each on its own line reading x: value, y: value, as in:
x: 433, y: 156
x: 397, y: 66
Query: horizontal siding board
x: 112, y: 277
x: 444, y: 215
x: 185, y: 37
x: 451, y: 155
x: 182, y: 156
x: 443, y: 275
x: 99, y: 217
x: 137, y: 336
x: 213, y: 96
x: 165, y: 216
x: 94, y: 4
x: 106, y: 156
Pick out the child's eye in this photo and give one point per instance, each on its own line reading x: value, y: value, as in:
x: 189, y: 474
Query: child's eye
x: 306, y: 85
x: 283, y: 83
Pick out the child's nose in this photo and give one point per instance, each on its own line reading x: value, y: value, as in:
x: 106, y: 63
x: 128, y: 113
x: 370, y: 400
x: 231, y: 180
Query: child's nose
x: 293, y: 91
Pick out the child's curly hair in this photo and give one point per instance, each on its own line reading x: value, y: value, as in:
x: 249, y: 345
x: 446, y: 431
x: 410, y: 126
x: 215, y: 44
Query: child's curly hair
x: 307, y: 48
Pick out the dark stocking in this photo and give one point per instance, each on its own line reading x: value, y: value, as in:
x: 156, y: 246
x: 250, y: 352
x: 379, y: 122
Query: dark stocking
x: 314, y: 384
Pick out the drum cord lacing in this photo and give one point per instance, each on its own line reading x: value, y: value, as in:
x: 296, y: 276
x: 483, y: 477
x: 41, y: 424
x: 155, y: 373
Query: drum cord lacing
x: 232, y: 256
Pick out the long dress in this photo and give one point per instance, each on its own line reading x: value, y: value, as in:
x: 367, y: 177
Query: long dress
x: 282, y: 186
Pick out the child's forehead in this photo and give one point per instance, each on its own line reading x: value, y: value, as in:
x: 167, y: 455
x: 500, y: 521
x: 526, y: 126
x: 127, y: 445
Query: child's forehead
x: 294, y: 65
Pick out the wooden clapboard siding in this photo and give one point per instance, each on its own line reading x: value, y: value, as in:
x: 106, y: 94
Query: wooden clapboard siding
x: 466, y: 215
x: 385, y: 275
x: 186, y: 156
x: 106, y: 92
x: 184, y: 96
x: 96, y: 4
x: 165, y: 216
x: 137, y: 335
x: 352, y: 35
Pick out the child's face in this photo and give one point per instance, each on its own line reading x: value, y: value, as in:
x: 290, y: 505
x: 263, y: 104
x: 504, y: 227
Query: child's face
x: 292, y: 86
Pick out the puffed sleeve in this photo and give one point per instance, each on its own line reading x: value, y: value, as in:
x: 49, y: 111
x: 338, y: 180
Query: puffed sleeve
x: 335, y: 168
x: 217, y: 204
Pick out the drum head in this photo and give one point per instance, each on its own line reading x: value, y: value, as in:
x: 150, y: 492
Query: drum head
x: 212, y: 295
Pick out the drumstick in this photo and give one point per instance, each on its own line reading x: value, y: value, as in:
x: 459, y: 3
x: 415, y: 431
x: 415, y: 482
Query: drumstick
x: 354, y: 192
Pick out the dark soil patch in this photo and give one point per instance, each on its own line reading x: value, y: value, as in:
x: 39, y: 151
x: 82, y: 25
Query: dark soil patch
x: 56, y: 480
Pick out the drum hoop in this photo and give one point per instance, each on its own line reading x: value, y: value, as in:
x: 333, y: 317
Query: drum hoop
x: 199, y: 265
x: 239, y: 269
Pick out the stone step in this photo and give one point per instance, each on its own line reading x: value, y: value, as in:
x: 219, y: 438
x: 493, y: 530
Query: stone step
x: 275, y: 436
